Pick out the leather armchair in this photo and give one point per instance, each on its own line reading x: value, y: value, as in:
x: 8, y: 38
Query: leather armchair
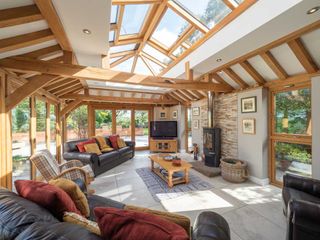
x: 301, y: 201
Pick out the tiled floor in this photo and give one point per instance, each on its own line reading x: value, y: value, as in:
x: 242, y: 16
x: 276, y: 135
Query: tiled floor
x: 252, y: 211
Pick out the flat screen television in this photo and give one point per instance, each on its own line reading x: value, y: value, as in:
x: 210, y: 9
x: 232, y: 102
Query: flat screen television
x: 163, y: 129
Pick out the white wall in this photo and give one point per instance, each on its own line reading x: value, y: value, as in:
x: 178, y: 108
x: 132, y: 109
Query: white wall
x: 315, y: 127
x: 254, y: 148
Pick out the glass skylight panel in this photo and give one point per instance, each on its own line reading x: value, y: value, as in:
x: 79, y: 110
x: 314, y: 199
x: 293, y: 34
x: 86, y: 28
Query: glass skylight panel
x: 114, y: 14
x: 155, y: 67
x: 141, y: 68
x: 112, y: 60
x: 133, y: 18
x: 124, y: 66
x: 122, y: 48
x: 156, y: 54
x: 179, y: 50
x: 195, y: 36
x: 209, y: 12
x: 111, y: 36
x: 169, y: 28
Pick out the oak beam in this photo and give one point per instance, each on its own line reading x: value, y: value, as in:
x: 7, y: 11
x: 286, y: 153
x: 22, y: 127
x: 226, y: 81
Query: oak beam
x: 70, y: 107
x: 49, y: 13
x: 121, y: 60
x: 274, y: 65
x: 116, y: 99
x: 235, y: 78
x: 26, y: 90
x: 303, y: 55
x: 43, y: 53
x: 19, y: 15
x: 252, y: 72
x: 25, y: 40
x: 100, y: 74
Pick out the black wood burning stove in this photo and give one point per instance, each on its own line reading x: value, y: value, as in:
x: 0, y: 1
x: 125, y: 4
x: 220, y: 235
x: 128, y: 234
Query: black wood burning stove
x: 212, y: 146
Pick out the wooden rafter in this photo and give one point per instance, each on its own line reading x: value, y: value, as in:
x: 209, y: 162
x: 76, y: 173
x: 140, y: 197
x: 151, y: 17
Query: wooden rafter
x: 43, y: 53
x: 189, y: 71
x: 219, y: 79
x: 195, y: 94
x: 235, y: 78
x: 187, y: 16
x: 178, y: 97
x: 121, y: 60
x: 63, y: 87
x: 119, y: 22
x: 124, y: 90
x: 183, y: 37
x: 25, y: 40
x: 181, y: 96
x: 224, y: 22
x: 157, y: 45
x: 303, y: 55
x: 229, y: 4
x: 253, y: 73
x: 135, y: 59
x: 70, y: 89
x: 151, y: 58
x: 120, y: 54
x: 148, y: 65
x: 117, y: 99
x: 19, y: 15
x: 26, y: 90
x: 49, y: 13
x: 186, y: 94
x: 126, y: 42
x: 274, y: 65
x: 70, y: 107
x: 57, y: 83
x: 100, y: 74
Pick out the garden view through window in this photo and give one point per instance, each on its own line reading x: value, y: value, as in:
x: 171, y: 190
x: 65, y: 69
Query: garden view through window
x: 292, y: 119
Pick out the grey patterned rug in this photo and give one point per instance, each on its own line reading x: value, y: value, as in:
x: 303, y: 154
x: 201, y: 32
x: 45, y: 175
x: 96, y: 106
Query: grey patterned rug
x: 160, y: 191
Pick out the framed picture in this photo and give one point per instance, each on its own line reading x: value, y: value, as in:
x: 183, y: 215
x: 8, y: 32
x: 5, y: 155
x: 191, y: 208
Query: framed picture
x: 249, y: 105
x: 196, y: 124
x: 249, y: 126
x: 196, y: 111
x: 175, y: 114
x: 163, y: 115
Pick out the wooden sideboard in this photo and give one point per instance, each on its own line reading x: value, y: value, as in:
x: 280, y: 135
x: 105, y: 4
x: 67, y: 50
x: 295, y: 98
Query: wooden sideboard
x: 163, y: 145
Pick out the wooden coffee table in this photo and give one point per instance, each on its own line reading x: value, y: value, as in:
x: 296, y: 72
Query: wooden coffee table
x: 167, y: 165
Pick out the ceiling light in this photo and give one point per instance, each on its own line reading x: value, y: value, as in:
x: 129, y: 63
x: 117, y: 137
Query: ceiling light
x: 219, y: 60
x: 86, y: 31
x: 313, y: 10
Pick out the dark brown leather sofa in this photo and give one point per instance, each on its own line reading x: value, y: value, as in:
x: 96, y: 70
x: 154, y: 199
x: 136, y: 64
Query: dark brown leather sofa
x: 301, y: 205
x: 21, y: 219
x: 103, y: 162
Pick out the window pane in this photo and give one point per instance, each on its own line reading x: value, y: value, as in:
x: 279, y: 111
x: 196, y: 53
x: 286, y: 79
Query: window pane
x: 156, y: 54
x: 122, y: 48
x: 293, y: 112
x: 124, y: 66
x: 21, y: 149
x: 53, y: 143
x: 209, y: 12
x: 111, y: 36
x: 195, y: 36
x: 133, y: 18
x: 41, y: 125
x: 77, y: 123
x: 114, y: 14
x: 178, y: 51
x: 142, y: 128
x: 169, y: 28
x: 155, y: 67
x: 293, y: 158
x: 103, y: 122
x: 123, y: 119
x: 141, y: 68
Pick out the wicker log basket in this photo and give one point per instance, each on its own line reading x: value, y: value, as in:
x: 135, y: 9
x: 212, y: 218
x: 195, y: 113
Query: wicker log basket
x: 234, y: 170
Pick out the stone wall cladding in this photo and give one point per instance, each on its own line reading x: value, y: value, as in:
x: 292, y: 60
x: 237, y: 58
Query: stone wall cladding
x: 225, y: 117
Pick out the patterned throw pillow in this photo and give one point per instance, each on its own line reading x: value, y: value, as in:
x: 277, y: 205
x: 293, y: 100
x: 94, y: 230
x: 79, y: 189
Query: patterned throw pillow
x: 92, y: 148
x: 80, y: 145
x: 121, y: 143
x: 114, y: 139
x: 73, y: 190
x: 102, y: 142
x: 74, y: 218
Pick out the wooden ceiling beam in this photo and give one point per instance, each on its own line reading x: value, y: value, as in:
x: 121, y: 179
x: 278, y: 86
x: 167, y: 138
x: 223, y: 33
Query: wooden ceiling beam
x: 63, y: 87
x: 118, y: 99
x: 25, y: 40
x: 125, y: 42
x: 57, y: 83
x: 181, y: 96
x: 121, y: 60
x: 195, y: 94
x: 124, y: 90
x: 175, y: 96
x: 158, y: 46
x: 252, y: 72
x: 189, y: 71
x: 70, y: 107
x: 19, y: 15
x: 235, y: 78
x: 59, y: 59
x: 187, y: 16
x: 229, y: 4
x: 43, y: 53
x: 100, y: 74
x: 49, y: 13
x: 219, y: 79
x: 27, y: 89
x: 72, y: 89
x: 187, y: 94
x: 183, y: 37
x: 148, y: 65
x: 151, y: 58
x: 119, y: 2
x: 123, y: 53
x: 303, y: 55
x: 119, y: 22
x: 274, y: 65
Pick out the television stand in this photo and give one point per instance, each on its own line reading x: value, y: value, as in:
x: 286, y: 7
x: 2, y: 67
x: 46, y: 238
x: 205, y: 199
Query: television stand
x: 163, y: 145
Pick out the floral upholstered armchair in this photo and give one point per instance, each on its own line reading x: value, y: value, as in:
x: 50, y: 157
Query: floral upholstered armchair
x: 50, y: 169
